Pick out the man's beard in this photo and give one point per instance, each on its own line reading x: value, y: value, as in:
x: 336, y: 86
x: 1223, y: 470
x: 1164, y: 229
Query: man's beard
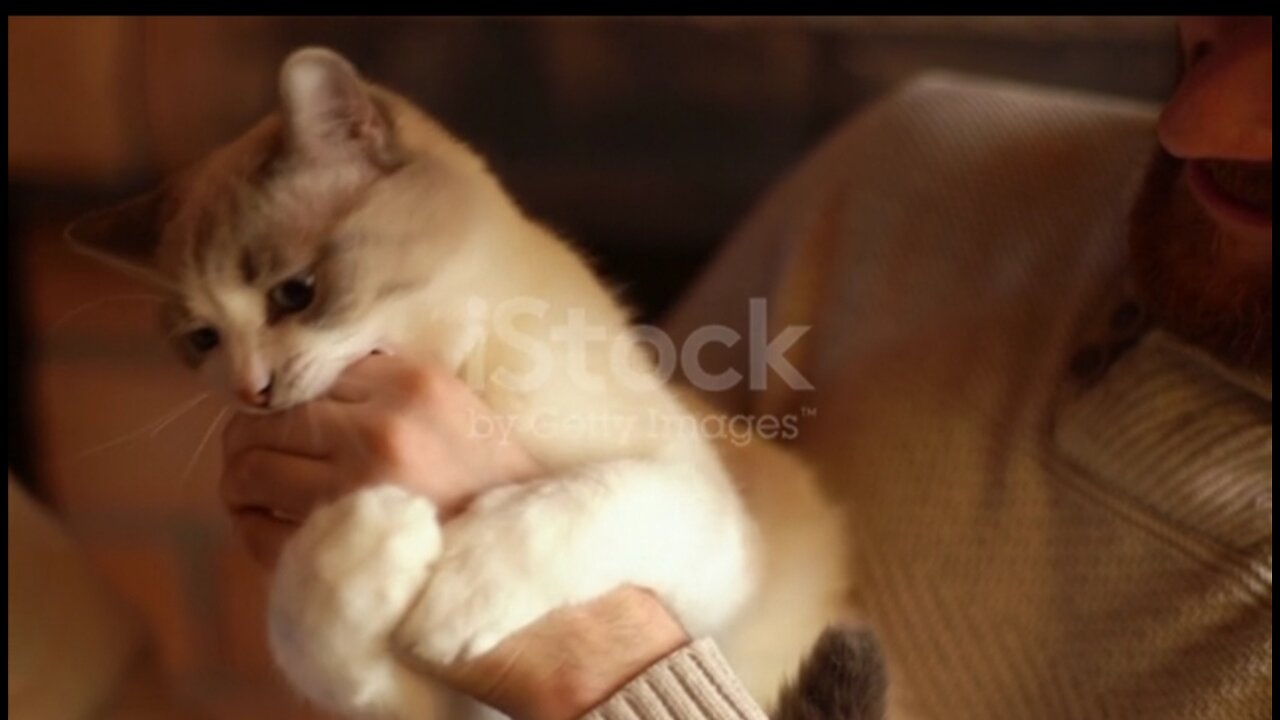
x: 1184, y: 281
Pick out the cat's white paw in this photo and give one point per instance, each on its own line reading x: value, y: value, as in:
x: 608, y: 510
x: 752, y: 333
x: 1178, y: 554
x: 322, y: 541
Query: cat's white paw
x: 500, y: 571
x: 343, y: 582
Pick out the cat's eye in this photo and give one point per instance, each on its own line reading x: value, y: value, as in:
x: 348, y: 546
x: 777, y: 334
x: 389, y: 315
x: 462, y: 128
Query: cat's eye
x: 203, y: 339
x: 293, y: 295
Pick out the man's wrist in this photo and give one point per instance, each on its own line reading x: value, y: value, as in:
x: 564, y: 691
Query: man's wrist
x: 574, y: 659
x: 613, y: 641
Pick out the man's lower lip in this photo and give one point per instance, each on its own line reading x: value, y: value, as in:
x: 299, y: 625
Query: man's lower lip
x: 1223, y: 208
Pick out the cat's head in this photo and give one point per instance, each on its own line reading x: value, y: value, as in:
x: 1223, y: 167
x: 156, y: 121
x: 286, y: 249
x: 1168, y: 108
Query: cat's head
x: 281, y: 250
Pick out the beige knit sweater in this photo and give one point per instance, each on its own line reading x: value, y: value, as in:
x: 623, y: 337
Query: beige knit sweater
x: 694, y: 683
x: 1057, y: 511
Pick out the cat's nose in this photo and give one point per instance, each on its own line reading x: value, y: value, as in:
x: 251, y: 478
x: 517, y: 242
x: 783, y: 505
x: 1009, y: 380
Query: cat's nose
x: 257, y: 397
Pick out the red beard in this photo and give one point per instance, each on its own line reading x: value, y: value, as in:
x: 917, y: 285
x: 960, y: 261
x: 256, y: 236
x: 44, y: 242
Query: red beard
x: 1183, y: 279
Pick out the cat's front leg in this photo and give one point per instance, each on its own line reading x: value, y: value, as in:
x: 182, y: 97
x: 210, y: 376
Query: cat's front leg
x: 676, y: 528
x: 343, y: 582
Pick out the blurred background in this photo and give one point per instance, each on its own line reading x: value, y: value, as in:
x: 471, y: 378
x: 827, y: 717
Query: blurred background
x: 644, y: 140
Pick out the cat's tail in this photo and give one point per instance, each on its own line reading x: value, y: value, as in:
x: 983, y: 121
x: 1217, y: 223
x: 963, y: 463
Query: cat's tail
x: 843, y: 678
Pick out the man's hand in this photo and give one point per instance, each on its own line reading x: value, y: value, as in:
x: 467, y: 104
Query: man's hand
x: 389, y: 421
x: 386, y: 420
x: 571, y: 660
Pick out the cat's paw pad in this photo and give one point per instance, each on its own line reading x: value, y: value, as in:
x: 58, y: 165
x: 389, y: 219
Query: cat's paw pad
x: 343, y: 582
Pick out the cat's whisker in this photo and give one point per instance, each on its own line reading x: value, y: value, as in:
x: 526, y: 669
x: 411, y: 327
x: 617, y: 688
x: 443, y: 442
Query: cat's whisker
x: 152, y: 427
x: 172, y: 418
x: 76, y: 312
x: 203, y: 442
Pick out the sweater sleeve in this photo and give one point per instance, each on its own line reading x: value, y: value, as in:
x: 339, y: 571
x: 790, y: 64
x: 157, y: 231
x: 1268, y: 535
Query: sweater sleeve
x: 693, y: 683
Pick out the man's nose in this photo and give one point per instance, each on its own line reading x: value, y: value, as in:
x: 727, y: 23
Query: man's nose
x: 1221, y: 108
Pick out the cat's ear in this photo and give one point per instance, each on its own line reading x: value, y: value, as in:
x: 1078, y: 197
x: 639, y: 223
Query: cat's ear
x: 125, y: 236
x: 330, y: 111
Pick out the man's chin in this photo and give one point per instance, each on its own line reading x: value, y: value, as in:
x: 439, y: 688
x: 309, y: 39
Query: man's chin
x: 1196, y: 278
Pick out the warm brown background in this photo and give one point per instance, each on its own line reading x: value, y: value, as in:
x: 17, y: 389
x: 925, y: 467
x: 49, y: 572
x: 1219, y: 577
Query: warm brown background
x: 644, y: 140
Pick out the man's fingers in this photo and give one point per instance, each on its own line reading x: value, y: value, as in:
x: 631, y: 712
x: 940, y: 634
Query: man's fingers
x: 314, y: 430
x: 273, y: 482
x: 264, y: 535
x: 382, y: 376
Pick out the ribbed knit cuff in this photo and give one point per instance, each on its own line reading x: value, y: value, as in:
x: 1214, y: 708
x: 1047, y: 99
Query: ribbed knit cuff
x: 692, y: 683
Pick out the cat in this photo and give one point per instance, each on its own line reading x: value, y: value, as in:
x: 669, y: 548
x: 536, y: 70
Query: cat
x: 349, y: 221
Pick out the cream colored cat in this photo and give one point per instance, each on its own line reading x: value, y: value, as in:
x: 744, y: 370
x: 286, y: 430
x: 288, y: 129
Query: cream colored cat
x: 349, y: 222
